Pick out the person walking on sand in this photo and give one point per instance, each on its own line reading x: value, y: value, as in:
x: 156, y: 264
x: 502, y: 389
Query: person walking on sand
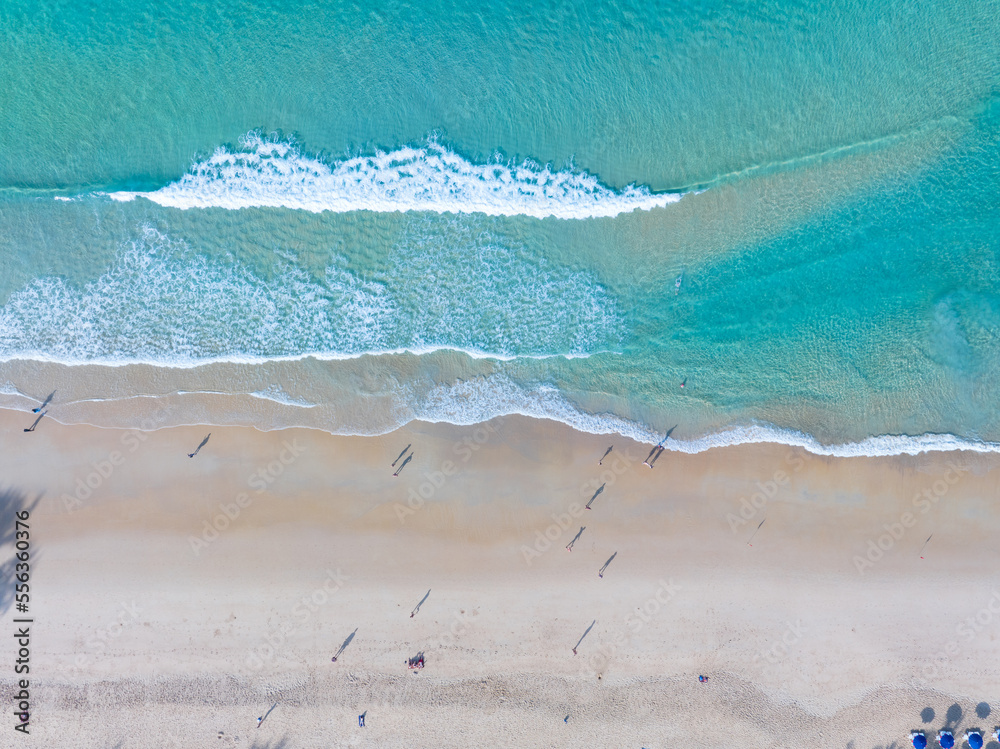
x: 660, y: 451
x: 408, y: 459
x: 601, y: 572
x: 416, y: 609
x: 198, y: 449
x: 401, y: 455
x: 569, y: 546
x: 263, y: 717
x: 32, y: 427
x: 606, y: 453
x: 344, y: 645
x: 584, y: 635
x: 595, y: 495
x: 361, y: 719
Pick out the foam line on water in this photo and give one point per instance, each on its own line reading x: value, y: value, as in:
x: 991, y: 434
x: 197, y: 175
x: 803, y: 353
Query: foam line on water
x: 278, y: 174
x: 482, y: 399
x: 475, y: 401
x: 277, y: 394
x: 162, y: 305
x: 194, y: 362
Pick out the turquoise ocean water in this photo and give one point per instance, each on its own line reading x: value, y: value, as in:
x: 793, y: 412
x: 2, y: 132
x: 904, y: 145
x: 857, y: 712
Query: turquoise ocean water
x: 350, y: 216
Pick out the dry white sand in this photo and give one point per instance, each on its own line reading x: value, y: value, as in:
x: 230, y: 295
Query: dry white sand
x: 153, y: 629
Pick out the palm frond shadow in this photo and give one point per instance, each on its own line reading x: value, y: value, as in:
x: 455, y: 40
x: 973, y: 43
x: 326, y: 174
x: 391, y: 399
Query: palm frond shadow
x: 12, y: 501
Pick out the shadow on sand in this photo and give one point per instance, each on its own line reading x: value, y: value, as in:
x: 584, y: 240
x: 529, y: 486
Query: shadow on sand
x: 12, y: 501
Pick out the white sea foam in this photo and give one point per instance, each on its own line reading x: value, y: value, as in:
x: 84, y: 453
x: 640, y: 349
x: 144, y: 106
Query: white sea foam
x: 277, y: 394
x: 427, y: 178
x: 482, y: 399
x: 161, y: 304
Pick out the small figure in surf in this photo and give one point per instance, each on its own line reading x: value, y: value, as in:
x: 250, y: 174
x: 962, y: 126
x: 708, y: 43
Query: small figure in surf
x: 47, y: 401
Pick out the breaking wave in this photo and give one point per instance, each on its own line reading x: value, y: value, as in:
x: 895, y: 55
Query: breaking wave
x: 278, y: 174
x: 482, y: 399
x: 161, y: 304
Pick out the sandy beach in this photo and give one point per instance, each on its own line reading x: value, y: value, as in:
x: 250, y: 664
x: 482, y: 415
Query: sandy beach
x: 177, y: 599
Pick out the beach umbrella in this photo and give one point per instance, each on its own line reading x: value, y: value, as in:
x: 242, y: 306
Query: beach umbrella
x: 919, y: 740
x: 975, y: 739
x: 946, y: 740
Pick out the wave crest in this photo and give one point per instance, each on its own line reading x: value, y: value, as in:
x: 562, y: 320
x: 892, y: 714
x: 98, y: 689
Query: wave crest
x: 277, y: 174
x: 161, y: 304
x: 474, y: 401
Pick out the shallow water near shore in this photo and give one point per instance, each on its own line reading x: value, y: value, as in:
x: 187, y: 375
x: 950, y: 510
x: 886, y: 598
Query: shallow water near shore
x: 575, y: 213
